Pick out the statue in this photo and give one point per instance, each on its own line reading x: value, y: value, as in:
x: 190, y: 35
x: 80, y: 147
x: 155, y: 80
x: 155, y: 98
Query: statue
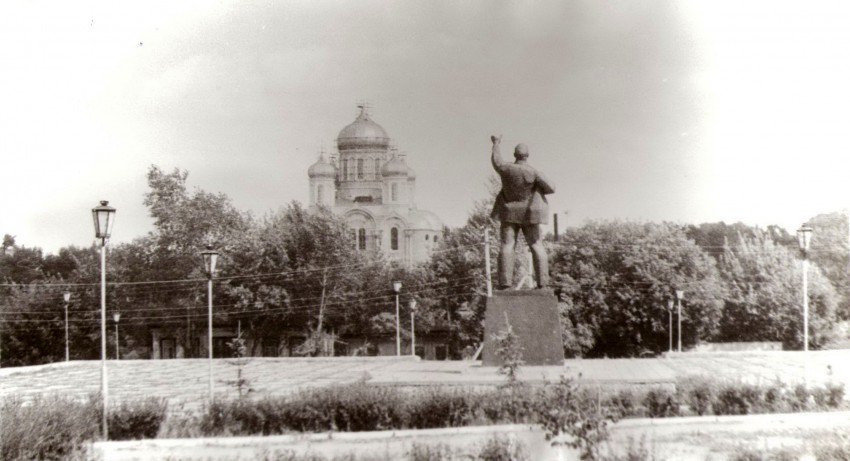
x: 521, y: 205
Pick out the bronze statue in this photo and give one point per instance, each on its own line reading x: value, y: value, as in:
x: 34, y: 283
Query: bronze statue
x: 521, y: 205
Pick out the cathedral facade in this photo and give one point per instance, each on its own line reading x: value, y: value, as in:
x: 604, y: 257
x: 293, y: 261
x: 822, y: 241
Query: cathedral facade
x: 369, y: 184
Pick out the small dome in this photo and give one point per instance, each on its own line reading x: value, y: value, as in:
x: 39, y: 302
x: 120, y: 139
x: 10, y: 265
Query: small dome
x: 395, y: 167
x: 363, y: 133
x: 322, y: 169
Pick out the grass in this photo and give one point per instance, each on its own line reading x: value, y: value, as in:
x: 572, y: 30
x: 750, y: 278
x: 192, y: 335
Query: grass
x: 56, y: 428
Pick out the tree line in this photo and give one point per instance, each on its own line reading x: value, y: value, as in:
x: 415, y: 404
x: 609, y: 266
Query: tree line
x: 296, y: 270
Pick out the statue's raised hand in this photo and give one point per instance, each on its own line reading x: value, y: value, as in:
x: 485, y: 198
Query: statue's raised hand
x: 495, y: 139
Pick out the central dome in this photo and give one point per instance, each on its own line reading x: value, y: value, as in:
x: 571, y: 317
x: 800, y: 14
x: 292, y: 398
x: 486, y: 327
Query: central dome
x: 363, y: 133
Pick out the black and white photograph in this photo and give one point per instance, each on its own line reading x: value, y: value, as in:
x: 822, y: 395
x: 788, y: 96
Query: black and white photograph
x: 384, y: 230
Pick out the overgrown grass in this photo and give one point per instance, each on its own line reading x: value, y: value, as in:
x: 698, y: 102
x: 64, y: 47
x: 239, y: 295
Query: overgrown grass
x: 56, y: 427
x: 46, y: 428
x: 53, y: 428
x: 704, y: 396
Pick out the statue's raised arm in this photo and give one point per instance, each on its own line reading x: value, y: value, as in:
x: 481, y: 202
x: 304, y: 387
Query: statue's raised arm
x: 496, y: 154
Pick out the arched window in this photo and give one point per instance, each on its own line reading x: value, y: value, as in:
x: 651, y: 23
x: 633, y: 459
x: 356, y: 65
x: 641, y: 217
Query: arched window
x: 377, y: 167
x: 320, y: 194
x: 361, y: 239
x: 345, y: 170
x: 394, y: 192
x: 360, y: 170
x: 394, y: 238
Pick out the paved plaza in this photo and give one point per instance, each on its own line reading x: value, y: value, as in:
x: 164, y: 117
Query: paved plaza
x: 186, y: 380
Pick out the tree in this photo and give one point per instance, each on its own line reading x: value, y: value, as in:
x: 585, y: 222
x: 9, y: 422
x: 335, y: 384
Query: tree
x: 310, y: 263
x: 764, y: 295
x: 458, y: 265
x: 615, y: 279
x: 831, y: 253
x: 161, y: 274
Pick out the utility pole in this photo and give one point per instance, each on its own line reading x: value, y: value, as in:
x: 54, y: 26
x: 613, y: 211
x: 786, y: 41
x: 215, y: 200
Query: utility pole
x: 487, y: 262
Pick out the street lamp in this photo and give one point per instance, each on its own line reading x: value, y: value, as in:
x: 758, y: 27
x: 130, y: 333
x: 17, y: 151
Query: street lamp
x: 679, y: 296
x: 804, y: 238
x: 210, y: 260
x: 670, y: 322
x: 116, y: 316
x: 103, y: 217
x: 67, y: 297
x: 412, y: 327
x: 397, y: 289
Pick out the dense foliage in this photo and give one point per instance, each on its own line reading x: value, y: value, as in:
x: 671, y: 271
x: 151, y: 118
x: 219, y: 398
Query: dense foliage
x: 294, y: 271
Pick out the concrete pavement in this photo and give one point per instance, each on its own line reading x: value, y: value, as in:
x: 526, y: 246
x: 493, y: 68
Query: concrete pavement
x: 185, y: 381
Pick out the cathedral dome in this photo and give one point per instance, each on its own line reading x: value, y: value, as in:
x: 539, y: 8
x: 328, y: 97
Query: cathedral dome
x: 362, y: 133
x: 395, y: 167
x: 322, y: 169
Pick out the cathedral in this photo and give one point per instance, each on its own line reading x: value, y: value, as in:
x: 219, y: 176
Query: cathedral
x: 368, y: 183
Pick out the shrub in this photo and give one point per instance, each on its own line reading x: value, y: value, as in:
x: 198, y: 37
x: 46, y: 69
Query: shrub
x: 697, y: 392
x: 509, y: 352
x: 562, y: 409
x: 634, y: 452
x: 800, y: 398
x: 830, y: 396
x: 514, y: 403
x: 661, y: 403
x: 356, y: 407
x: 625, y: 403
x: 47, y: 428
x: 775, y: 398
x: 501, y: 449
x: 752, y: 454
x: 433, y: 452
x: 738, y: 399
x: 139, y: 419
x: 440, y: 407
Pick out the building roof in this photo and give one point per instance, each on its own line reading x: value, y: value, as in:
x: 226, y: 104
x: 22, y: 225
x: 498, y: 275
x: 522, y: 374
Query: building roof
x: 322, y: 169
x: 395, y: 167
x: 362, y: 133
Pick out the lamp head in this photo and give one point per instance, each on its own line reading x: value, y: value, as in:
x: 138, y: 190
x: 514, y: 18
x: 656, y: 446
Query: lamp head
x: 670, y: 304
x: 210, y: 260
x: 680, y: 294
x: 116, y: 316
x: 67, y: 296
x: 413, y: 305
x: 397, y: 286
x: 104, y: 217
x: 804, y: 237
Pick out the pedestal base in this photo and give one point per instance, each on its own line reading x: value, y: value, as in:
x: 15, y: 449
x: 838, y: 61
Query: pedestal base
x: 534, y: 318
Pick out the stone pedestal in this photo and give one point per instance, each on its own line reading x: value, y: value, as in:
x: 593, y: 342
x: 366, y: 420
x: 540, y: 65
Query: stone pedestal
x: 534, y: 317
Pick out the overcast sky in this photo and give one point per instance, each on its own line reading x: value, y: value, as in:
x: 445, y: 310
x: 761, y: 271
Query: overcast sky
x: 642, y: 110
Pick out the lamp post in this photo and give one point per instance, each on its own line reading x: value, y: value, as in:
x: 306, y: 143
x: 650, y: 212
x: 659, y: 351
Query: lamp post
x: 412, y: 327
x: 210, y: 260
x: 804, y: 238
x: 679, y: 296
x: 670, y: 322
x: 103, y: 217
x: 67, y: 297
x: 397, y: 289
x: 116, y: 316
